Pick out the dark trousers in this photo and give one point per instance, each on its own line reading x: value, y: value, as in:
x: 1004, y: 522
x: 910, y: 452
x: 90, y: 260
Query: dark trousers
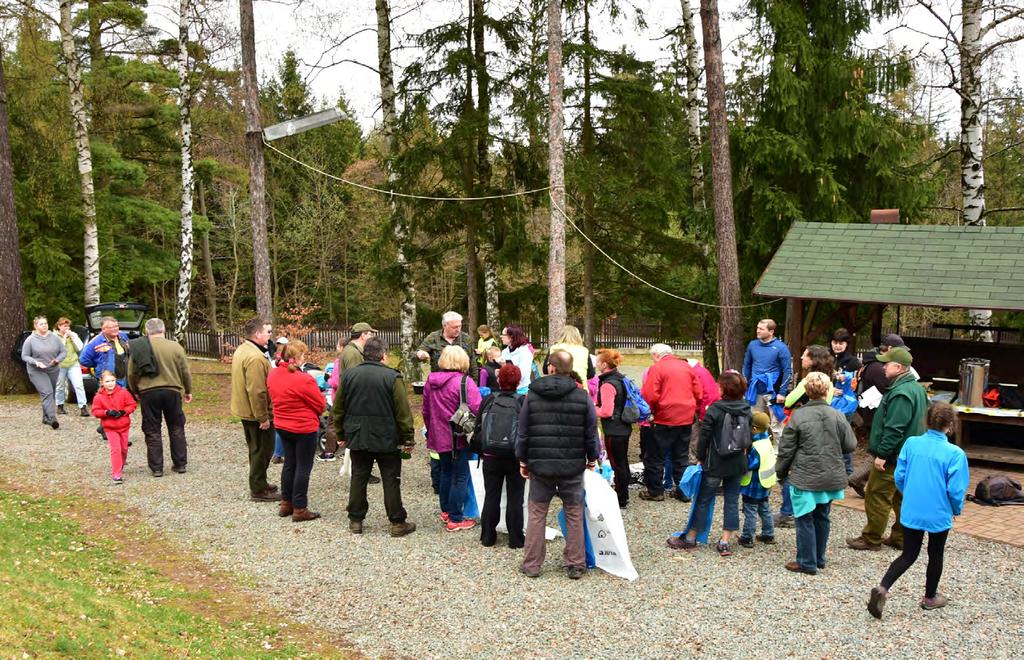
x: 498, y: 471
x: 912, y: 540
x: 299, y: 449
x: 261, y: 446
x: 330, y: 436
x: 730, y: 502
x: 390, y: 464
x: 674, y: 439
x: 618, y: 453
x: 166, y: 404
x: 812, y: 530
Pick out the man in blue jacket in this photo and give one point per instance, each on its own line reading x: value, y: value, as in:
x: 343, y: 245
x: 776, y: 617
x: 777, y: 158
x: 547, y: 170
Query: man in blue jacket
x: 767, y: 365
x: 108, y: 351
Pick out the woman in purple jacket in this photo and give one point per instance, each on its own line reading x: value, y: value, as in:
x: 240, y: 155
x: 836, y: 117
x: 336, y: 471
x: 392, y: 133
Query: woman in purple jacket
x: 441, y: 398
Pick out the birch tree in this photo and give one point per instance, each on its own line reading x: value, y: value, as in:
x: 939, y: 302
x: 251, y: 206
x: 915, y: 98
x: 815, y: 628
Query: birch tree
x: 187, y: 175
x: 12, y: 299
x: 721, y: 181
x: 483, y: 94
x: 76, y: 95
x: 399, y: 223
x: 257, y: 166
x: 556, y: 174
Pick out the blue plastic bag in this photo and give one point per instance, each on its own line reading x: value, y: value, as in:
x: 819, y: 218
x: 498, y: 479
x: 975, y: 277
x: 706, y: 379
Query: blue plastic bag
x: 588, y: 546
x: 689, y: 485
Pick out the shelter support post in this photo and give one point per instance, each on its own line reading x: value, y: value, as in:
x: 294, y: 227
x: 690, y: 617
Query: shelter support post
x: 795, y: 330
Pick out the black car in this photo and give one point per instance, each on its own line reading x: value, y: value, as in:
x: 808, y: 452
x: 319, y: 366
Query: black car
x: 130, y: 317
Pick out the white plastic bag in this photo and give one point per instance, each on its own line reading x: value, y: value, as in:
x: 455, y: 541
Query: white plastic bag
x: 604, y: 525
x: 476, y: 477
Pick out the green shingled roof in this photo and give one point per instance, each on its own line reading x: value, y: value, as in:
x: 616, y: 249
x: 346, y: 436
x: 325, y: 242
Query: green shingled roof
x: 927, y: 265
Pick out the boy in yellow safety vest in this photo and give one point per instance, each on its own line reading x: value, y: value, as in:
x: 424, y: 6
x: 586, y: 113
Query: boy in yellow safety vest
x: 755, y: 485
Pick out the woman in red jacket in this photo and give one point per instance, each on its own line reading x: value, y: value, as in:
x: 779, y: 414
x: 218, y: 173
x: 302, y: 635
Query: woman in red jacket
x: 298, y: 405
x: 113, y: 406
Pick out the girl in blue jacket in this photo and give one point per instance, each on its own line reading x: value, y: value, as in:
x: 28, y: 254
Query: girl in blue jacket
x: 932, y: 474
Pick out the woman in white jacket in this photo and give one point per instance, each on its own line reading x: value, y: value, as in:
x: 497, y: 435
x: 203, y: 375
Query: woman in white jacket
x: 517, y: 351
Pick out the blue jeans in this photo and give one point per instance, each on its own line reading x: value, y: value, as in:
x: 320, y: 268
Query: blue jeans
x: 752, y: 510
x: 278, y: 445
x: 454, y: 482
x: 848, y: 462
x: 787, y: 502
x: 668, y: 471
x: 812, y: 537
x: 731, y: 504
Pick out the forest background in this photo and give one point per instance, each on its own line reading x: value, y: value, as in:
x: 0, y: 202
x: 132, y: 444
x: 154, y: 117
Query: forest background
x: 822, y: 127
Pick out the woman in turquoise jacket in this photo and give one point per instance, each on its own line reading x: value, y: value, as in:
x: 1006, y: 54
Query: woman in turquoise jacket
x: 933, y: 476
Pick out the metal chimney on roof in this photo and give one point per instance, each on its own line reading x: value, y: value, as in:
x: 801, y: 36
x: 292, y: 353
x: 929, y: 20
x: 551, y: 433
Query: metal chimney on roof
x: 885, y: 216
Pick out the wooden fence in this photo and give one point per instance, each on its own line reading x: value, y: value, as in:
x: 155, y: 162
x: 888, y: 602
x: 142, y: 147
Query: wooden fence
x: 202, y: 342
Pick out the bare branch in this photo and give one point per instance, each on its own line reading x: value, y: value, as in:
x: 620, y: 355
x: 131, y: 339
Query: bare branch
x: 999, y: 20
x: 950, y: 32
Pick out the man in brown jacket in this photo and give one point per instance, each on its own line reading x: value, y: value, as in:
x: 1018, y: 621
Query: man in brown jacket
x: 251, y: 402
x: 159, y: 376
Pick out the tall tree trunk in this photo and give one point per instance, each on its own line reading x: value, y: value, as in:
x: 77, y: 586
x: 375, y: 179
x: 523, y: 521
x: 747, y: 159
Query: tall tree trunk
x: 187, y: 175
x: 556, y: 174
x: 587, y: 151
x: 204, y: 247
x: 91, y: 242
x: 12, y: 298
x: 721, y: 179
x: 399, y: 224
x: 469, y: 183
x: 257, y: 167
x: 483, y: 144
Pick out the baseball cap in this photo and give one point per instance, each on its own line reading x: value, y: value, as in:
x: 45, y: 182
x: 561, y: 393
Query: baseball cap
x: 897, y: 354
x: 760, y: 422
x: 362, y: 327
x: 892, y: 340
x: 281, y: 340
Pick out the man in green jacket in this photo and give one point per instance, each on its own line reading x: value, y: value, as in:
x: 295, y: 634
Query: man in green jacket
x: 373, y: 421
x: 250, y: 402
x: 900, y: 416
x: 450, y: 334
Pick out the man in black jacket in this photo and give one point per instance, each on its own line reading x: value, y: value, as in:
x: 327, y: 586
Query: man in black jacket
x: 557, y: 441
x: 373, y: 420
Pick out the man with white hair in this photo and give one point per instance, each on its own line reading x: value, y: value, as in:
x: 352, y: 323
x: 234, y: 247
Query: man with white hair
x: 159, y: 376
x: 672, y: 390
x: 450, y: 334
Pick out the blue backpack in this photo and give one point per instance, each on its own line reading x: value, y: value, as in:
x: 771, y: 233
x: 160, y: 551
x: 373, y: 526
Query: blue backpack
x: 635, y: 409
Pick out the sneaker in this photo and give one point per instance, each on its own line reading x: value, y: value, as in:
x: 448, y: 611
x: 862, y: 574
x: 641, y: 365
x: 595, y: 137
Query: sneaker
x: 860, y: 543
x: 355, y: 526
x: 84, y: 412
x: 158, y: 473
x: 325, y: 457
x: 118, y: 481
x: 746, y: 542
x: 934, y: 603
x: 680, y: 543
x: 767, y: 540
x: 529, y: 572
x: 445, y: 518
x: 786, y: 522
x: 402, y: 529
x: 277, y: 460
x: 60, y: 410
x: 465, y: 523
x: 374, y: 479
x: 723, y: 549
x: 575, y: 572
x: 877, y: 601
x: 180, y: 469
x: 646, y: 495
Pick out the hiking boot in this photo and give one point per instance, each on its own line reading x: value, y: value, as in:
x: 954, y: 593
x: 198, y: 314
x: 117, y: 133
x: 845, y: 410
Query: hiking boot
x: 84, y: 412
x: 402, y: 529
x: 892, y: 544
x: 575, y: 572
x: 767, y: 540
x: 797, y: 568
x: 355, y: 526
x: 302, y: 515
x: 277, y: 460
x: 529, y: 572
x: 646, y: 495
x: 465, y: 523
x: 678, y: 495
x: 860, y: 543
x: 265, y: 495
x: 325, y: 457
x: 60, y: 410
x: 784, y: 521
x: 934, y: 603
x: 877, y: 601
x: 158, y: 473
x: 746, y: 542
x: 374, y: 479
x: 680, y: 543
x: 285, y: 509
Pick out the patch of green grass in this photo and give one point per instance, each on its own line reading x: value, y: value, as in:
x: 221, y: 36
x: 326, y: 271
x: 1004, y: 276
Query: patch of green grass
x: 67, y: 593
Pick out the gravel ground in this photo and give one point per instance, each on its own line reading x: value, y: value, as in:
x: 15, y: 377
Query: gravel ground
x: 436, y: 594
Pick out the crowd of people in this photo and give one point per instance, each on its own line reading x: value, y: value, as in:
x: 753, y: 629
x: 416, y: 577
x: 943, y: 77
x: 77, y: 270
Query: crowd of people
x: 537, y: 429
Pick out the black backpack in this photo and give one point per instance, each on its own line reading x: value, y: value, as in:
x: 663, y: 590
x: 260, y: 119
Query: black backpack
x: 498, y: 425
x: 736, y: 436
